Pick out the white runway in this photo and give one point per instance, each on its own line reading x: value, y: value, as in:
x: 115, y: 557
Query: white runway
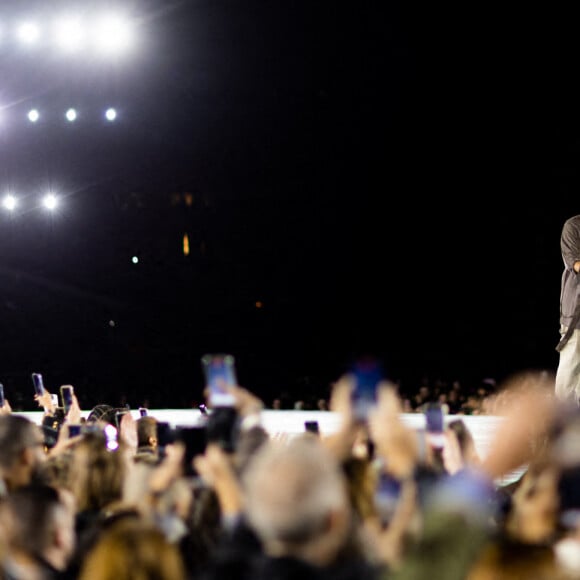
x: 292, y: 423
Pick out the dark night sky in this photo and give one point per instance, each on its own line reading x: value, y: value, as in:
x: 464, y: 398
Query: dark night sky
x: 389, y: 177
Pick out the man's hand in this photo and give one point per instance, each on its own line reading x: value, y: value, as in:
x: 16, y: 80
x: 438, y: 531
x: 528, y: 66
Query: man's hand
x: 128, y: 431
x: 216, y: 470
x: 45, y: 402
x: 74, y: 413
x: 395, y: 442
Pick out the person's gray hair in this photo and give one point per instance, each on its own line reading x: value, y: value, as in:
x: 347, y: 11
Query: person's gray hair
x: 292, y: 489
x: 16, y: 434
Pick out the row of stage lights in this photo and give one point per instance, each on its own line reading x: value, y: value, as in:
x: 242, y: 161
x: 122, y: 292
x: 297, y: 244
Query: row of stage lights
x: 106, y: 34
x: 71, y: 115
x: 49, y: 201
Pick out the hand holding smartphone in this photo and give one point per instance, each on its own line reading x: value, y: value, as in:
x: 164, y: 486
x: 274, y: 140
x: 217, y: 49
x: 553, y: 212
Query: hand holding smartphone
x: 66, y: 393
x: 367, y: 373
x: 312, y: 427
x: 435, y: 424
x: 219, y: 373
x: 48, y: 402
x: 38, y: 384
x: 195, y: 441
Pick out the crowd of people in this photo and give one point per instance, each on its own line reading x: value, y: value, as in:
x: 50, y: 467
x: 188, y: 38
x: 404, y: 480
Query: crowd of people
x: 109, y: 496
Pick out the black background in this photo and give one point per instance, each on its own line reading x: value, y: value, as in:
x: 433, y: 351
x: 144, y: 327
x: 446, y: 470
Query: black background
x: 385, y: 177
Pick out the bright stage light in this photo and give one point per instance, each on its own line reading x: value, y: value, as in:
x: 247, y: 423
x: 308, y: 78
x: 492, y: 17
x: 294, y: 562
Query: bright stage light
x: 33, y: 115
x: 49, y: 201
x: 110, y: 114
x: 9, y: 202
x: 114, y: 35
x: 71, y: 115
x: 28, y: 33
x: 69, y: 34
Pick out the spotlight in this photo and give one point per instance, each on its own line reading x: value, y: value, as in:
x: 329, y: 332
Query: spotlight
x: 114, y: 35
x: 9, y: 202
x: 69, y: 34
x: 110, y: 114
x: 33, y: 115
x: 71, y: 115
x: 28, y: 33
x: 49, y: 201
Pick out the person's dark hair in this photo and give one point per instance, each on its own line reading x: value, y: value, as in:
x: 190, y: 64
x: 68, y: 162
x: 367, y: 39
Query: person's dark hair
x: 204, y: 531
x: 102, y: 412
x: 32, y: 516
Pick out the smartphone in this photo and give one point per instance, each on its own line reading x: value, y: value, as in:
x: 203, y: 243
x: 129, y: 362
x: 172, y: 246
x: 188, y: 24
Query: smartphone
x: 223, y: 427
x: 435, y: 424
x: 219, y: 372
x: 74, y: 430
x: 387, y: 493
x: 38, y: 384
x: 119, y: 416
x: 66, y: 394
x: 1, y: 395
x: 312, y: 427
x: 142, y: 412
x: 165, y: 434
x: 367, y: 373
x: 195, y: 440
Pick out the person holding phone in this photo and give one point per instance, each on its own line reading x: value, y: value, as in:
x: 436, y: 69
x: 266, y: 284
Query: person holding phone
x: 567, y: 386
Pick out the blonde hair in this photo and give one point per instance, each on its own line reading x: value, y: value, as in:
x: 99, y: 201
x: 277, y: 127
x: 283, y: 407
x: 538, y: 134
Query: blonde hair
x: 133, y: 549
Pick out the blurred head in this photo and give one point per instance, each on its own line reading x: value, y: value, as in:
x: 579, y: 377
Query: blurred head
x: 96, y: 473
x: 21, y: 450
x: 133, y: 549
x: 39, y: 521
x: 297, y: 501
x: 146, y: 432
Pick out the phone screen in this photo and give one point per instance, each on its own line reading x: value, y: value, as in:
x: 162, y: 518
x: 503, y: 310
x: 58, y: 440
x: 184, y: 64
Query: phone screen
x: 223, y: 427
x: 38, y: 383
x: 1, y: 395
x: 312, y: 427
x: 219, y: 372
x: 74, y: 430
x: 66, y: 392
x: 367, y: 374
x: 434, y: 419
x: 165, y: 434
x: 434, y: 425
x: 195, y: 440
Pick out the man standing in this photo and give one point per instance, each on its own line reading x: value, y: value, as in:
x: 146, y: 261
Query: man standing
x: 568, y: 371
